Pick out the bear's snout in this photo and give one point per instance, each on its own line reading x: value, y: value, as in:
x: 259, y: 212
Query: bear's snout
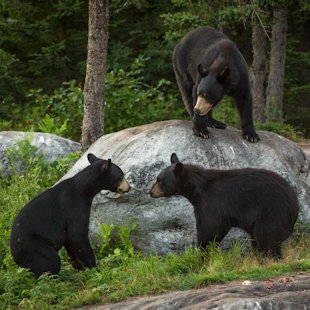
x: 156, y: 191
x: 123, y: 187
x: 197, y: 111
x: 202, y: 106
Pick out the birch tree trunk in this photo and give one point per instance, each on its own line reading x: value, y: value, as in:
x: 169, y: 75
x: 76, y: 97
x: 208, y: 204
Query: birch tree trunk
x: 274, y: 93
x: 94, y: 87
x: 258, y: 71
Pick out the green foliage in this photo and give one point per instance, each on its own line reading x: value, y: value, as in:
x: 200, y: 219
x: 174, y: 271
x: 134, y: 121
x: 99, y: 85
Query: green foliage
x: 297, y: 86
x: 283, y: 129
x: 62, y: 112
x: 117, y: 247
x: 105, y: 238
x: 35, y: 165
x: 131, y: 102
x: 43, y: 43
x: 48, y: 125
x: 227, y: 113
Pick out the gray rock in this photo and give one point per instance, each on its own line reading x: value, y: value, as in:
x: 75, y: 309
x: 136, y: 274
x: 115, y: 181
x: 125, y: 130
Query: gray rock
x: 284, y: 293
x: 51, y: 146
x: 305, y: 146
x: 167, y: 224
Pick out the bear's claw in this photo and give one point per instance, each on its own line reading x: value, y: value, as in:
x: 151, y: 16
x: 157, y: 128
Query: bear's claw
x: 254, y: 137
x: 204, y: 135
x: 216, y: 124
x: 201, y: 133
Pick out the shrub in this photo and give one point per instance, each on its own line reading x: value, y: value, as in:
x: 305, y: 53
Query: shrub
x: 131, y: 102
x: 60, y: 113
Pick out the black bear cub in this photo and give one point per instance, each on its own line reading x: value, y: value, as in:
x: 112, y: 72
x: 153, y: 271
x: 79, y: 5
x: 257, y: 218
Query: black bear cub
x: 207, y: 66
x: 60, y: 217
x: 259, y: 201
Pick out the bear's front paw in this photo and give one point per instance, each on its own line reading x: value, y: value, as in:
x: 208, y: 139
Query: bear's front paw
x: 251, y: 136
x: 213, y: 123
x: 202, y: 133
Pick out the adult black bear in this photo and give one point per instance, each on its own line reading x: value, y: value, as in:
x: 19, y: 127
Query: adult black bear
x: 256, y: 200
x: 60, y: 217
x: 207, y: 66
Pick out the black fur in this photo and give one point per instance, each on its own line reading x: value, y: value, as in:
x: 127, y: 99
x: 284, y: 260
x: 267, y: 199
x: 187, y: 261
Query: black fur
x: 208, y: 64
x: 60, y: 217
x: 259, y: 201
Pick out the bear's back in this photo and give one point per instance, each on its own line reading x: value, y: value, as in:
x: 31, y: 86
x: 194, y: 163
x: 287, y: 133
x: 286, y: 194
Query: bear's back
x: 48, y: 209
x: 262, y: 186
x: 209, y: 47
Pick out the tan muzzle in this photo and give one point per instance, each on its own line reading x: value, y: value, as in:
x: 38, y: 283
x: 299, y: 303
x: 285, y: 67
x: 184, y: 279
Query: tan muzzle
x: 123, y: 187
x: 202, y: 106
x: 155, y: 191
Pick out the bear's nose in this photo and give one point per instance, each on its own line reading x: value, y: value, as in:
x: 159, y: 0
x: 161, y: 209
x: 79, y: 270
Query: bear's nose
x: 197, y: 111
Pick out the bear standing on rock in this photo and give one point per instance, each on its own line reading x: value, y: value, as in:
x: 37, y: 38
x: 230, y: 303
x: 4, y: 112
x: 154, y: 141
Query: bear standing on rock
x: 207, y: 66
x: 259, y: 201
x: 60, y: 217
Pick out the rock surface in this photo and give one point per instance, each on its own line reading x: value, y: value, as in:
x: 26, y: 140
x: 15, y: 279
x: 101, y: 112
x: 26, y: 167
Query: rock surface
x: 167, y: 224
x: 285, y: 293
x: 52, y: 146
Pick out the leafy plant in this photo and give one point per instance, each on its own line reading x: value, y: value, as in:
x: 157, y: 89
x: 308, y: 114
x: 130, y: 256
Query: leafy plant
x: 117, y: 246
x: 226, y: 112
x: 48, y: 125
x: 282, y: 129
x: 60, y: 113
x: 131, y: 102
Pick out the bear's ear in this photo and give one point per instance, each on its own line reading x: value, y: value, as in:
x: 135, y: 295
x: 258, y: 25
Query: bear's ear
x: 178, y: 168
x: 202, y: 71
x: 106, y: 165
x: 174, y: 158
x: 92, y: 158
x: 223, y: 76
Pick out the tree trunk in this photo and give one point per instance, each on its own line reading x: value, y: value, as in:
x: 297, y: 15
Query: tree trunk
x: 258, y: 71
x: 277, y: 65
x: 94, y: 87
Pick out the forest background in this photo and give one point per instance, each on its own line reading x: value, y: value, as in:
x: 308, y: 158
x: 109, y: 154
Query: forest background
x: 43, y: 51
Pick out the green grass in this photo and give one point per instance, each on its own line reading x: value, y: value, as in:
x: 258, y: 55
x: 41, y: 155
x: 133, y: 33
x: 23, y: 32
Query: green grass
x: 121, y: 272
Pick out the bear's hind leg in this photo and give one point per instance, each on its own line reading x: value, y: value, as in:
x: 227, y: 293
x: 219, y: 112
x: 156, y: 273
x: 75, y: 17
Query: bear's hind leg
x: 186, y: 89
x: 73, y: 258
x: 268, y: 242
x: 244, y: 106
x: 42, y: 260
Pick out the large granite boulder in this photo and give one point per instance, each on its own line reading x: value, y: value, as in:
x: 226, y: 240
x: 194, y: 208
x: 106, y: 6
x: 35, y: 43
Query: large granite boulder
x: 167, y: 224
x: 51, y: 146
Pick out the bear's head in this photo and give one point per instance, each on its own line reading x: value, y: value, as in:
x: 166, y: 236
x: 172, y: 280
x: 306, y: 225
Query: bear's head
x: 211, y: 85
x: 169, y: 181
x: 108, y: 175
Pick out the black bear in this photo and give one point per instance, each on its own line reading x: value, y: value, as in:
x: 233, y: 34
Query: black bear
x: 259, y: 201
x: 207, y: 66
x: 60, y: 217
